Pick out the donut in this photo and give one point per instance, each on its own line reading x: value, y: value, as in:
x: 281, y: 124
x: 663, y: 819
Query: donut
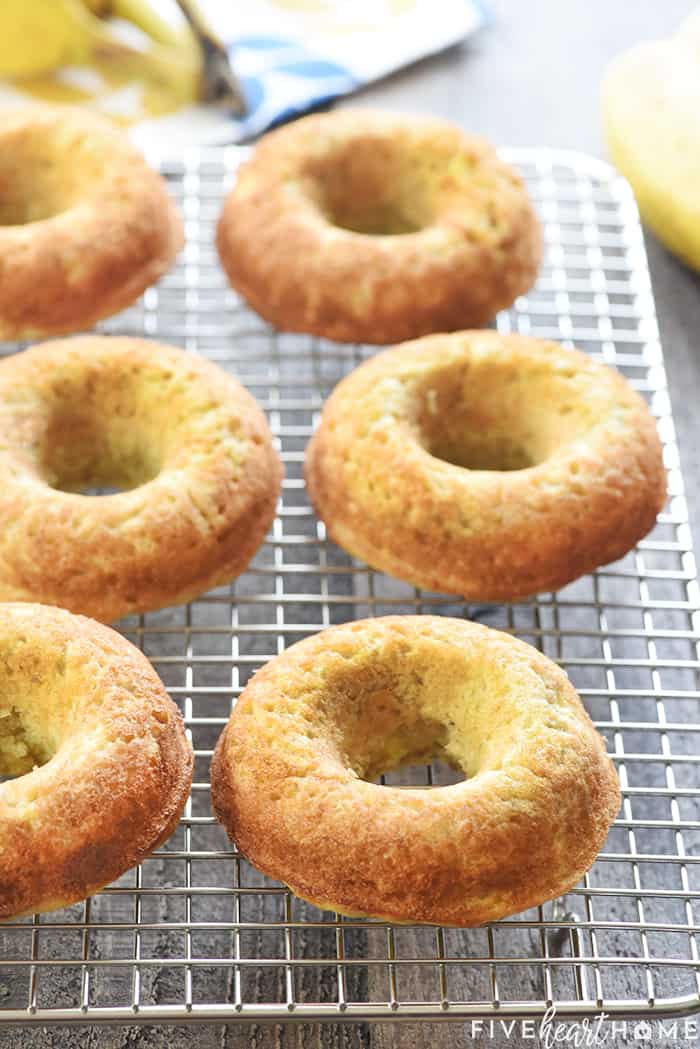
x: 187, y: 445
x: 486, y: 465
x: 374, y: 227
x: 85, y: 224
x: 98, y: 749
x: 292, y: 773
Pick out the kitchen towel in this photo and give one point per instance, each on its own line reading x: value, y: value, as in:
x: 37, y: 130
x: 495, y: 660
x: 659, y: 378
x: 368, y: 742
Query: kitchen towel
x: 294, y: 55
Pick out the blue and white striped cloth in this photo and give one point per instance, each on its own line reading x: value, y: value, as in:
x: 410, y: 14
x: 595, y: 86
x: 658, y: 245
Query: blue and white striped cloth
x: 295, y: 55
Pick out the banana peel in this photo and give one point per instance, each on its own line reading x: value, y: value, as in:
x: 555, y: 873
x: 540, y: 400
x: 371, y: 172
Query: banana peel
x: 650, y: 101
x: 38, y: 40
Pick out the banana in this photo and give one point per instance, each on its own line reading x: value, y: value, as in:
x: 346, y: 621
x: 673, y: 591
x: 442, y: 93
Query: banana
x: 142, y: 15
x: 650, y: 105
x: 39, y: 38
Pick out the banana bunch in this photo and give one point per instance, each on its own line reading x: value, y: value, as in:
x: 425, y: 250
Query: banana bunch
x: 40, y: 38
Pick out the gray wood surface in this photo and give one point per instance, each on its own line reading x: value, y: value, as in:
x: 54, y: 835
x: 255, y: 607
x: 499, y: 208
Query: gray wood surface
x: 531, y: 78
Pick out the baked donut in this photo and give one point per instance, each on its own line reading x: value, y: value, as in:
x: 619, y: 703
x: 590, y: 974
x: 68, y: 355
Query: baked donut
x: 292, y: 771
x: 491, y: 466
x: 85, y: 224
x: 188, y: 444
x: 99, y: 749
x: 374, y: 227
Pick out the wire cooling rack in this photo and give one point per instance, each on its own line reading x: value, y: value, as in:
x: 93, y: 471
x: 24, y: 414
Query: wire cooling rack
x: 196, y: 933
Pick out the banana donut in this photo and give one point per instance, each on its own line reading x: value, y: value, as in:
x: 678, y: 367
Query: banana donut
x: 292, y: 772
x: 187, y: 444
x: 85, y: 224
x: 491, y: 466
x: 99, y: 750
x: 375, y: 227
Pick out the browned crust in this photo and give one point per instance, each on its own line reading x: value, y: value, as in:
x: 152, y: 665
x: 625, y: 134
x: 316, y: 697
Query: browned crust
x: 121, y: 775
x: 493, y: 536
x: 121, y: 232
x: 523, y: 829
x: 194, y: 526
x: 302, y: 273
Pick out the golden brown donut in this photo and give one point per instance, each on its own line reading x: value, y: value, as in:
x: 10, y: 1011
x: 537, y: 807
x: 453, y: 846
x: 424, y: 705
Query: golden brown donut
x: 374, y: 227
x: 99, y: 750
x: 85, y: 224
x: 292, y: 772
x: 491, y: 466
x: 185, y: 441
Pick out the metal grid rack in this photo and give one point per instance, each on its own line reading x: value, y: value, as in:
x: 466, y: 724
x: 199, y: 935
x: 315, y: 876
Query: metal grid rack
x: 195, y: 932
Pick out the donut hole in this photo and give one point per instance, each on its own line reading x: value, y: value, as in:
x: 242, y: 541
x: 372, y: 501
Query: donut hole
x: 404, y: 715
x: 384, y: 727
x: 24, y: 200
x: 478, y: 434
x: 39, y: 177
x: 374, y: 186
x: 18, y: 210
x: 98, y: 455
x: 101, y: 489
x: 21, y: 748
x: 410, y: 743
x: 37, y: 704
x: 487, y: 451
x: 428, y: 776
x: 490, y: 417
x: 99, y: 436
x: 374, y: 218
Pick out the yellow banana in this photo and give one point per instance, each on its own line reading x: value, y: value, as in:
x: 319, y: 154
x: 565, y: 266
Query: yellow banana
x: 141, y: 14
x: 41, y: 37
x: 650, y: 106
